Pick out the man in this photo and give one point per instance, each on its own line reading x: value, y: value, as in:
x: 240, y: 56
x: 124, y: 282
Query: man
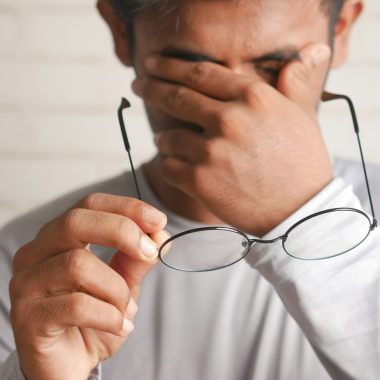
x: 231, y: 89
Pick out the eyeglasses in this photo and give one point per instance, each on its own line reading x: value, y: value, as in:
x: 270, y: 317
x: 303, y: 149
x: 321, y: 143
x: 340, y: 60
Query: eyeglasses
x: 211, y: 248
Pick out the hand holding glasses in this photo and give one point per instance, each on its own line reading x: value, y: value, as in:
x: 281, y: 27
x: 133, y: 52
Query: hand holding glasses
x: 184, y: 256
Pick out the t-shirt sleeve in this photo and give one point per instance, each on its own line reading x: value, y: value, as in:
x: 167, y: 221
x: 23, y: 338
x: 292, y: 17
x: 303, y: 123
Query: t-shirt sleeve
x: 10, y: 369
x: 335, y: 301
x: 7, y: 344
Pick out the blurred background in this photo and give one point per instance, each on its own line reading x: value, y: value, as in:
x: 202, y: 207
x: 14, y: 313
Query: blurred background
x: 60, y: 86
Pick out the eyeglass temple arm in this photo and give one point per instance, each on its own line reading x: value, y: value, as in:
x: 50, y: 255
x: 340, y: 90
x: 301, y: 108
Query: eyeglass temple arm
x: 125, y: 104
x: 327, y: 96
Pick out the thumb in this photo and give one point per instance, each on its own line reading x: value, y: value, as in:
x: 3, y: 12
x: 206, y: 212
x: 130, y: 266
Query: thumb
x: 301, y: 80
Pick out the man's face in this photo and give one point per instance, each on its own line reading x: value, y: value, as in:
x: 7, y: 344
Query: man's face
x: 250, y: 37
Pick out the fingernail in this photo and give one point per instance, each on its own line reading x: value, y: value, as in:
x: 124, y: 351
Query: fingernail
x: 148, y: 248
x: 151, y: 63
x: 131, y: 308
x: 321, y: 54
x: 136, y: 86
x: 153, y: 216
x: 128, y: 326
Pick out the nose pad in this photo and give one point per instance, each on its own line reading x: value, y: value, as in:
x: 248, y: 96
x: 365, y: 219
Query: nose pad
x: 245, y: 244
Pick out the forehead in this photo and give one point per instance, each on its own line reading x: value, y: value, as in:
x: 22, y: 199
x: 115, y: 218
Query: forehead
x: 237, y: 25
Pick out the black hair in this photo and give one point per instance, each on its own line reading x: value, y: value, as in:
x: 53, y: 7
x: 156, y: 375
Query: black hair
x: 130, y: 9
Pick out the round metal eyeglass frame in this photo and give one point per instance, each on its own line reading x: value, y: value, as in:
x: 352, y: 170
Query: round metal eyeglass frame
x: 247, y: 242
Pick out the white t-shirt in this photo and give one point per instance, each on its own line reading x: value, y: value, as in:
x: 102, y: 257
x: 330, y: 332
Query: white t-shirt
x: 267, y: 317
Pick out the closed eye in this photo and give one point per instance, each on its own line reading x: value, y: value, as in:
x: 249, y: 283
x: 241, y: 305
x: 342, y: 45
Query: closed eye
x: 270, y: 70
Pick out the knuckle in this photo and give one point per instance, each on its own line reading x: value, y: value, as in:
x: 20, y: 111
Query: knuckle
x: 132, y: 207
x: 137, y: 208
x: 72, y: 219
x: 91, y: 200
x: 75, y: 262
x: 197, y: 73
x: 225, y: 119
x: 16, y: 285
x: 176, y: 97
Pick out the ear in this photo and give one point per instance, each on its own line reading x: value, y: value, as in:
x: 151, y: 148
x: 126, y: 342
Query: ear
x: 347, y: 17
x: 118, y: 29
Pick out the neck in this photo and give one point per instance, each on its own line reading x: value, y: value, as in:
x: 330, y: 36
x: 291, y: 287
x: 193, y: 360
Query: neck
x: 174, y: 199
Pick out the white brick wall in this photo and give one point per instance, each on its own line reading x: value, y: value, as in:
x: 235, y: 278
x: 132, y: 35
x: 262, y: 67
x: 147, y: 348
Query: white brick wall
x: 60, y: 85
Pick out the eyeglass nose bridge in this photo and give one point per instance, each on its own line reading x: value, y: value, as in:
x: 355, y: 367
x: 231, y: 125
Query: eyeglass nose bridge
x: 268, y: 241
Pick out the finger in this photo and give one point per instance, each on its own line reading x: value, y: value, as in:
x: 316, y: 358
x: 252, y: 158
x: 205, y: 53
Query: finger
x: 79, y: 227
x: 147, y: 217
x: 178, y: 101
x: 51, y: 315
x: 75, y: 271
x: 180, y: 174
x: 300, y: 80
x: 193, y: 180
x: 132, y: 270
x: 209, y: 78
x: 183, y: 144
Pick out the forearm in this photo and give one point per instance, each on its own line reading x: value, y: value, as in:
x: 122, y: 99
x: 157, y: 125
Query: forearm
x: 335, y: 301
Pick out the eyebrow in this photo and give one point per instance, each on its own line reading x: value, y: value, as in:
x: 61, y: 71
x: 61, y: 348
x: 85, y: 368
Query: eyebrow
x: 187, y: 55
x: 290, y: 54
x: 281, y: 55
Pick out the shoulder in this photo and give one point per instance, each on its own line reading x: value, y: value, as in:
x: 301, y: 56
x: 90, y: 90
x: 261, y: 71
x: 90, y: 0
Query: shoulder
x: 24, y: 228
